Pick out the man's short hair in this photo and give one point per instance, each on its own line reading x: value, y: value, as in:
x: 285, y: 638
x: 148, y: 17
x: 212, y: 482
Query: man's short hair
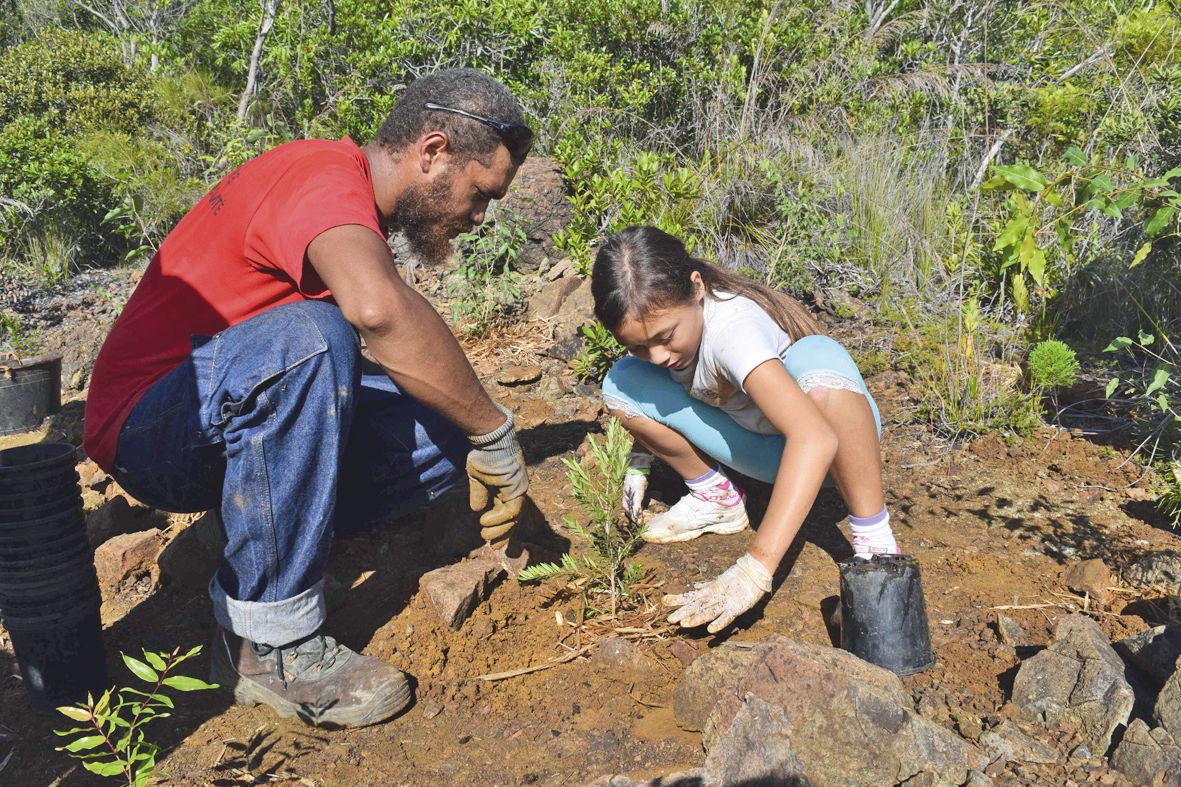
x: 459, y: 88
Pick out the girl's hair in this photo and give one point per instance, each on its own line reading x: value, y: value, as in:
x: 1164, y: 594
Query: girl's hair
x: 643, y: 269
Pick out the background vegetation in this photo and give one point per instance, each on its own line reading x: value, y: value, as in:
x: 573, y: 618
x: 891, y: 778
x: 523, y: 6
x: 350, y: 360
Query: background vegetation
x: 985, y: 174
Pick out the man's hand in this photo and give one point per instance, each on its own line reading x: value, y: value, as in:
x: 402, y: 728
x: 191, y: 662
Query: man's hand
x: 635, y: 484
x: 719, y: 601
x: 496, y: 472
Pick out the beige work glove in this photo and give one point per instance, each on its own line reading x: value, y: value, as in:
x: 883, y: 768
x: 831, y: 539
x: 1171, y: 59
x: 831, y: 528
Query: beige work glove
x: 719, y: 601
x: 496, y: 472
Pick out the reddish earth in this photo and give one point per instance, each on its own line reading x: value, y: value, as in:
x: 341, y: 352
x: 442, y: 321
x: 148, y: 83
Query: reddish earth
x: 993, y: 524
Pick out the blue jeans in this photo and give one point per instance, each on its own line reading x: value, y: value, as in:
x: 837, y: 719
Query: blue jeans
x: 636, y: 387
x: 274, y: 422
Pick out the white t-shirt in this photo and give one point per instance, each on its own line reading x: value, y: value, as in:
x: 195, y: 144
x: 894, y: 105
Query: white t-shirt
x: 736, y: 337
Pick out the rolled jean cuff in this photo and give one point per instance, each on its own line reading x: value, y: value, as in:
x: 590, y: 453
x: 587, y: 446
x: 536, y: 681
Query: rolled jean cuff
x: 273, y: 623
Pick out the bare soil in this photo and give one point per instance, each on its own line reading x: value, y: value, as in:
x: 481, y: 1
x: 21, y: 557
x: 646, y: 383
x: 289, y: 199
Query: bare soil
x: 993, y: 524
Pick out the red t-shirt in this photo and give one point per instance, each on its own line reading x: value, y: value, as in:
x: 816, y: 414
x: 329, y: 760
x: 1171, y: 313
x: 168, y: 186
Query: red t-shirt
x: 237, y: 253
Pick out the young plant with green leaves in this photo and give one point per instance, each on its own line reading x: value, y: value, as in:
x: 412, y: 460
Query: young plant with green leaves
x: 599, y: 353
x: 597, y: 481
x: 113, y: 742
x: 484, y: 287
x: 1052, y: 365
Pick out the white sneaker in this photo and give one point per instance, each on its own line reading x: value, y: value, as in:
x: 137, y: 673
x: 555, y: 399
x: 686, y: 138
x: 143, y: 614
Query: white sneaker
x: 692, y: 517
x: 866, y: 548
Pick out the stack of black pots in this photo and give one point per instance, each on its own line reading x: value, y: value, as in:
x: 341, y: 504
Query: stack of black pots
x: 49, y: 597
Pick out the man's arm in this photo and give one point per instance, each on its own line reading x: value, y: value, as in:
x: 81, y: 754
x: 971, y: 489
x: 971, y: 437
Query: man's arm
x: 403, y: 331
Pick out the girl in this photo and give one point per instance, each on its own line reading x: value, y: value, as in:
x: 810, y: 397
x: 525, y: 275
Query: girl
x: 725, y: 370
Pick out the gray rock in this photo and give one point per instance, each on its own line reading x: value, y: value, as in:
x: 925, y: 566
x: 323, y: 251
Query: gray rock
x: 1080, y: 680
x: 693, y: 778
x: 756, y: 749
x: 711, y: 675
x: 1168, y: 705
x: 538, y: 204
x: 1008, y: 743
x: 622, y: 660
x: 546, y: 303
x: 576, y: 311
x: 836, y: 704
x: 564, y: 267
x: 1156, y: 569
x: 1148, y: 757
x: 978, y: 779
x: 1154, y: 653
x: 454, y: 591
x: 1009, y: 632
x: 189, y: 560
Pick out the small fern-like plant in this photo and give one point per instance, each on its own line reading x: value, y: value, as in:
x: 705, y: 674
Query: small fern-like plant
x: 1052, y: 364
x: 596, y: 482
x: 112, y: 743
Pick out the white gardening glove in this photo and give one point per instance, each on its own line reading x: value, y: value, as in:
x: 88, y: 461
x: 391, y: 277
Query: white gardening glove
x: 721, y: 600
x: 635, y: 484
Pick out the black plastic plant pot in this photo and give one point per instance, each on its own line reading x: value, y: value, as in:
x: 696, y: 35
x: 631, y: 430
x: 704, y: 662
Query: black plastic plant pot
x: 25, y: 465
x: 60, y: 661
x: 30, y: 390
x: 883, y: 614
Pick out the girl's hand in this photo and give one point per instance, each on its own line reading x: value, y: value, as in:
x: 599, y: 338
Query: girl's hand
x: 721, y: 600
x: 635, y: 484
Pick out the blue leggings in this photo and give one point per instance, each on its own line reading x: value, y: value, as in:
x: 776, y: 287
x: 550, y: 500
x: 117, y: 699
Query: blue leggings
x: 637, y: 387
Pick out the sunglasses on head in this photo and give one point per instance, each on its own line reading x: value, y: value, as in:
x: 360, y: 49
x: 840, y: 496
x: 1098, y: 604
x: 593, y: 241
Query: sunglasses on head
x: 517, y: 137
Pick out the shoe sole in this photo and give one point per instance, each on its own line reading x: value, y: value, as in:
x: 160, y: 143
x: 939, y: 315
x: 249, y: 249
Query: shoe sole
x: 247, y: 692
x: 722, y: 528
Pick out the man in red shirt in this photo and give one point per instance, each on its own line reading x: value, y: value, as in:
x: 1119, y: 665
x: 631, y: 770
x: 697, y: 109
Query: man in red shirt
x: 233, y: 379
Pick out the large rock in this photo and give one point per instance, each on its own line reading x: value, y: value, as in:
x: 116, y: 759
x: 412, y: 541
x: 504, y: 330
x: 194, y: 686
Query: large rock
x: 193, y: 556
x: 576, y: 311
x: 710, y: 676
x: 454, y: 591
x: 1156, y: 569
x: 1154, y: 653
x: 1008, y: 743
x: 1168, y: 705
x: 125, y: 556
x: 1079, y: 679
x: 548, y: 301
x: 538, y: 205
x: 1148, y: 756
x: 756, y: 749
x: 836, y: 704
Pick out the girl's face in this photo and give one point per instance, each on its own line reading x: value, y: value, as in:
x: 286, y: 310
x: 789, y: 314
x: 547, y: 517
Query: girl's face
x: 668, y: 337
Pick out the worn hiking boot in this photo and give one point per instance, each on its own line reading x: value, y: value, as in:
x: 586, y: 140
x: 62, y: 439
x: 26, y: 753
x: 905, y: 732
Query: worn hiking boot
x: 694, y: 516
x: 316, y: 679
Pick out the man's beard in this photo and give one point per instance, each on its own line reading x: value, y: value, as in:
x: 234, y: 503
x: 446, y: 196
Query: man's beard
x: 425, y: 225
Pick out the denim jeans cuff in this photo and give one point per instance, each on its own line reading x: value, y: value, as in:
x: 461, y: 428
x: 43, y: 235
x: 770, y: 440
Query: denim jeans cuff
x: 271, y: 623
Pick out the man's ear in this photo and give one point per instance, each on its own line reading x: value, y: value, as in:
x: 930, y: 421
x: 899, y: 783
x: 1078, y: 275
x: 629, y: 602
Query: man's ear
x: 434, y: 150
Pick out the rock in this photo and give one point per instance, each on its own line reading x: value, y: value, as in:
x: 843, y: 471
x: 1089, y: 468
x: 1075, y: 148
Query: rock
x: 685, y: 652
x: 692, y: 778
x: 454, y: 591
x: 1009, y: 632
x: 1079, y: 679
x: 576, y: 311
x: 537, y: 202
x: 968, y: 724
x: 977, y: 779
x: 1154, y: 653
x: 711, y: 675
x: 1008, y: 743
x: 1090, y: 577
x: 622, y: 659
x: 552, y: 389
x: 1156, y: 569
x: 518, y: 375
x: 1148, y: 757
x: 190, y: 559
x: 546, y: 303
x: 513, y: 557
x: 113, y: 519
x: 567, y: 349
x: 756, y: 749
x: 838, y: 704
x: 130, y: 554
x: 1168, y: 705
x: 564, y: 267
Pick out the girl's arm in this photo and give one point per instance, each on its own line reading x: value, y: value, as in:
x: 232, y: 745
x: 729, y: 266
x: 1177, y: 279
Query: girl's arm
x: 810, y: 447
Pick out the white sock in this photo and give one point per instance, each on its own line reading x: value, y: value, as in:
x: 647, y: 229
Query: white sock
x: 714, y: 487
x: 872, y: 535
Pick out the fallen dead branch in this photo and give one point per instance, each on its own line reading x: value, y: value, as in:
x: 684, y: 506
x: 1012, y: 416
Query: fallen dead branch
x: 537, y: 667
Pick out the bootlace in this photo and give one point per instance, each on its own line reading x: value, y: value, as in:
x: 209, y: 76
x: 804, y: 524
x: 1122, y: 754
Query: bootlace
x: 314, y: 653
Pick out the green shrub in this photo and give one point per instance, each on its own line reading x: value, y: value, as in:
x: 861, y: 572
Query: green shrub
x: 75, y: 82
x: 598, y: 354
x: 1052, y: 364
